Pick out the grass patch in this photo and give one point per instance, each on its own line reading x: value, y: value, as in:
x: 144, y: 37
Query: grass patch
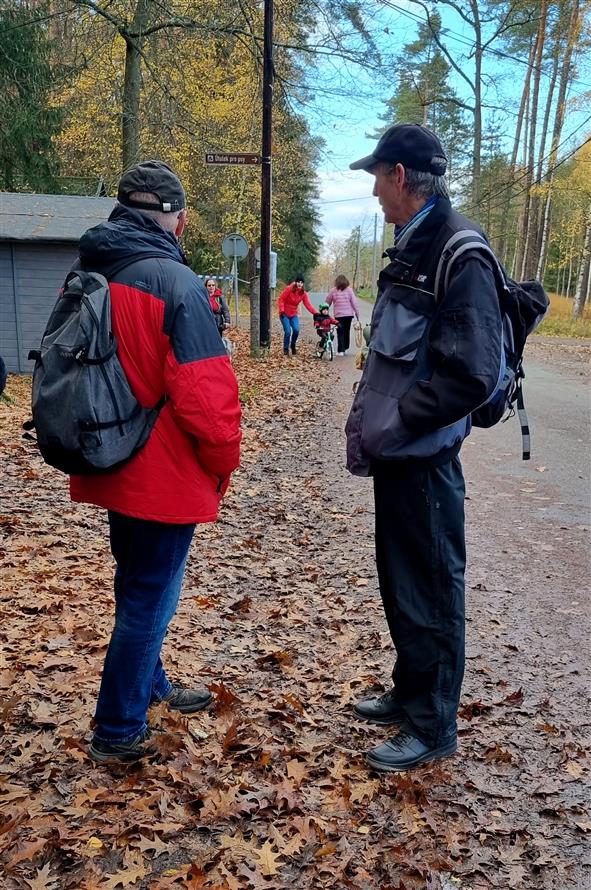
x: 364, y: 293
x: 559, y: 321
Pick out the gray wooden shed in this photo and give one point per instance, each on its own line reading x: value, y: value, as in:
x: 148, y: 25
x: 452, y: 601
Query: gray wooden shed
x: 39, y: 237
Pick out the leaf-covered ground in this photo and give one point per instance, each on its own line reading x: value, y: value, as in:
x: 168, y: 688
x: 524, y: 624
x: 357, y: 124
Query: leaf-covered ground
x: 281, y: 618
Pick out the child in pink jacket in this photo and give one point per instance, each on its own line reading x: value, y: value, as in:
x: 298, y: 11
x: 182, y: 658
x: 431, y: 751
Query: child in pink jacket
x: 346, y: 306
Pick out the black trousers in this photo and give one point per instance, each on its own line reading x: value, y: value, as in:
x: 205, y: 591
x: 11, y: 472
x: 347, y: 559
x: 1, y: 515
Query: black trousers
x: 344, y: 332
x: 421, y: 560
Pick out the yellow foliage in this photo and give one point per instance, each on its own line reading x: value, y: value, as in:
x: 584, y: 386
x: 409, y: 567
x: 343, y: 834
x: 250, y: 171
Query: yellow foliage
x: 200, y: 92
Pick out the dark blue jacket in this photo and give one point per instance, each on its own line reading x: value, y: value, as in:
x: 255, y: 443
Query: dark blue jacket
x: 430, y: 363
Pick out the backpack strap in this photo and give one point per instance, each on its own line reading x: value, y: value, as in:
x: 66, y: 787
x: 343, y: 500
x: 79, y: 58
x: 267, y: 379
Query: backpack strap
x: 523, y: 421
x: 458, y: 244
x: 467, y: 239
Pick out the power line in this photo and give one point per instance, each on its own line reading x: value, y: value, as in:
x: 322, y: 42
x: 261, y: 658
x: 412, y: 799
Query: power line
x: 527, y: 172
x: 459, y: 38
x: 538, y: 179
x: 344, y: 200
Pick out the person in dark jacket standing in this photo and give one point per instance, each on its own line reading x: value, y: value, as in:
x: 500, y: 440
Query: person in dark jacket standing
x: 168, y: 345
x: 432, y: 360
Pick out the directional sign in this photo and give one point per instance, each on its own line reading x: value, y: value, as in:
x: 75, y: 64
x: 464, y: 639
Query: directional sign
x: 234, y: 158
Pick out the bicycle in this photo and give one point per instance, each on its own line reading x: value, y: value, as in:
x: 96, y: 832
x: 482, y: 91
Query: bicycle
x: 326, y: 345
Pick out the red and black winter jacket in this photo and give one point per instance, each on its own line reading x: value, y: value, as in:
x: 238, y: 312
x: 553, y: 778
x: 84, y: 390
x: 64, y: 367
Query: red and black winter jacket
x: 220, y: 309
x: 323, y: 323
x: 168, y: 344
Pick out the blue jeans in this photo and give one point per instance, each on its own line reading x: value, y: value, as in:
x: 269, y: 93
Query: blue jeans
x: 150, y: 559
x: 291, y: 330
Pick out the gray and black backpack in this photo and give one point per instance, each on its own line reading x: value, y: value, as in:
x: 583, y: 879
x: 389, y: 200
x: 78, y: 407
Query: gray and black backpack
x: 523, y: 305
x: 85, y: 415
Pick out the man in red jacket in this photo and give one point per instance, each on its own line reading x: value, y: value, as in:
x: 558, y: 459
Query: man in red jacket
x: 168, y: 345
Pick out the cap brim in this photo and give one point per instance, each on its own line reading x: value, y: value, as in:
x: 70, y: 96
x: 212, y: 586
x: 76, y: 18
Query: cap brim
x: 364, y: 163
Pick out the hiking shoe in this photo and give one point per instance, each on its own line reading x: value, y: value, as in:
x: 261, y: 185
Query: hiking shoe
x: 188, y: 701
x: 404, y: 751
x: 383, y: 710
x: 293, y: 350
x: 123, y: 752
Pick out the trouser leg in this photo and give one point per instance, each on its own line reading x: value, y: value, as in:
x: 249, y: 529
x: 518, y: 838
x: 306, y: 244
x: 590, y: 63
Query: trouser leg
x: 150, y: 559
x: 344, y: 332
x: 420, y: 556
x: 285, y: 323
x: 295, y: 329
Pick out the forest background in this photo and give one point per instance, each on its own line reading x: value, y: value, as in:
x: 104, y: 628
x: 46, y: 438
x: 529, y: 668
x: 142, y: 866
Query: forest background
x: 89, y: 87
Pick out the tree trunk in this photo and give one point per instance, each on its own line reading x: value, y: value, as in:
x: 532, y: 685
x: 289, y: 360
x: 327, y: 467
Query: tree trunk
x: 570, y: 267
x: 502, y: 246
x: 528, y: 214
x: 565, y: 77
x: 132, y: 85
x: 583, y: 279
x: 560, y: 279
x: 538, y: 214
x: 477, y: 144
x: 519, y: 240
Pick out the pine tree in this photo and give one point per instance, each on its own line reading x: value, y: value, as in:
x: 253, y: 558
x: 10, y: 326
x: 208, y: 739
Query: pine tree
x: 424, y: 96
x: 28, y: 120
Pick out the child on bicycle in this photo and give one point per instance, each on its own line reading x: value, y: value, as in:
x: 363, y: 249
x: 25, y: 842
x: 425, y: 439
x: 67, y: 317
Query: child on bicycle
x: 323, y: 323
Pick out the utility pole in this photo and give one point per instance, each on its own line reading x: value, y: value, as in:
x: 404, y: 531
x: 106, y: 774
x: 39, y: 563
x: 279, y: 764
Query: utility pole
x: 266, y: 182
x: 357, y: 257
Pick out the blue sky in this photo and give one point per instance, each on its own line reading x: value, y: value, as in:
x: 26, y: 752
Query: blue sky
x: 348, y: 100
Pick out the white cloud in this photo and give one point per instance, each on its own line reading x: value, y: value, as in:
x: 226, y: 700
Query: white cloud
x: 345, y: 202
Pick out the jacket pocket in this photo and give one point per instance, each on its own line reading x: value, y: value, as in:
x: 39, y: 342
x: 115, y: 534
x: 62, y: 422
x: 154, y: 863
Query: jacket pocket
x: 399, y: 332
x: 358, y: 462
x: 383, y: 433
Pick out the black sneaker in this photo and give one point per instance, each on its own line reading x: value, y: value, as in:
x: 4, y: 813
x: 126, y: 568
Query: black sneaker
x: 293, y: 350
x: 404, y: 751
x: 188, y: 701
x: 286, y: 352
x: 383, y: 710
x: 124, y: 752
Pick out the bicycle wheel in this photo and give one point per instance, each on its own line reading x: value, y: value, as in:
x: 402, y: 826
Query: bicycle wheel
x: 329, y: 351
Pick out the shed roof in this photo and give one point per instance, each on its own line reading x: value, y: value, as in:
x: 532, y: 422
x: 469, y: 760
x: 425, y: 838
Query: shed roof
x: 25, y: 217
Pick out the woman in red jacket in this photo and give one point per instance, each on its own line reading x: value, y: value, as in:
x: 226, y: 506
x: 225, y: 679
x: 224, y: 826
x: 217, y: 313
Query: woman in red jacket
x: 219, y: 306
x: 288, y: 305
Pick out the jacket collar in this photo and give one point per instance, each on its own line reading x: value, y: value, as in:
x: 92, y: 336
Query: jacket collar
x: 127, y: 234
x: 404, y: 259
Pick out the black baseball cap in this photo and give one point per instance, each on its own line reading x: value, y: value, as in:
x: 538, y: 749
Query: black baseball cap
x: 412, y: 145
x: 157, y: 178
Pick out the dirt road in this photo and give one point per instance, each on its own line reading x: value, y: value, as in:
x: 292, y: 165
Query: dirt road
x: 281, y: 616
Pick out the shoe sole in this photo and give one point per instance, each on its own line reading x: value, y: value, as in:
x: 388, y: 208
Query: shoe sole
x: 380, y: 721
x: 102, y: 757
x: 193, y: 709
x: 426, y: 758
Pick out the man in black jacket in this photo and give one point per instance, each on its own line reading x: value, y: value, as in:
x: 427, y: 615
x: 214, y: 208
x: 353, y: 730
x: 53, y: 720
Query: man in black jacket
x: 433, y: 359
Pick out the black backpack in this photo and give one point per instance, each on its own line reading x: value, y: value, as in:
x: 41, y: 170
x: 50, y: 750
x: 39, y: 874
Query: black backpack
x: 523, y: 306
x: 85, y: 415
